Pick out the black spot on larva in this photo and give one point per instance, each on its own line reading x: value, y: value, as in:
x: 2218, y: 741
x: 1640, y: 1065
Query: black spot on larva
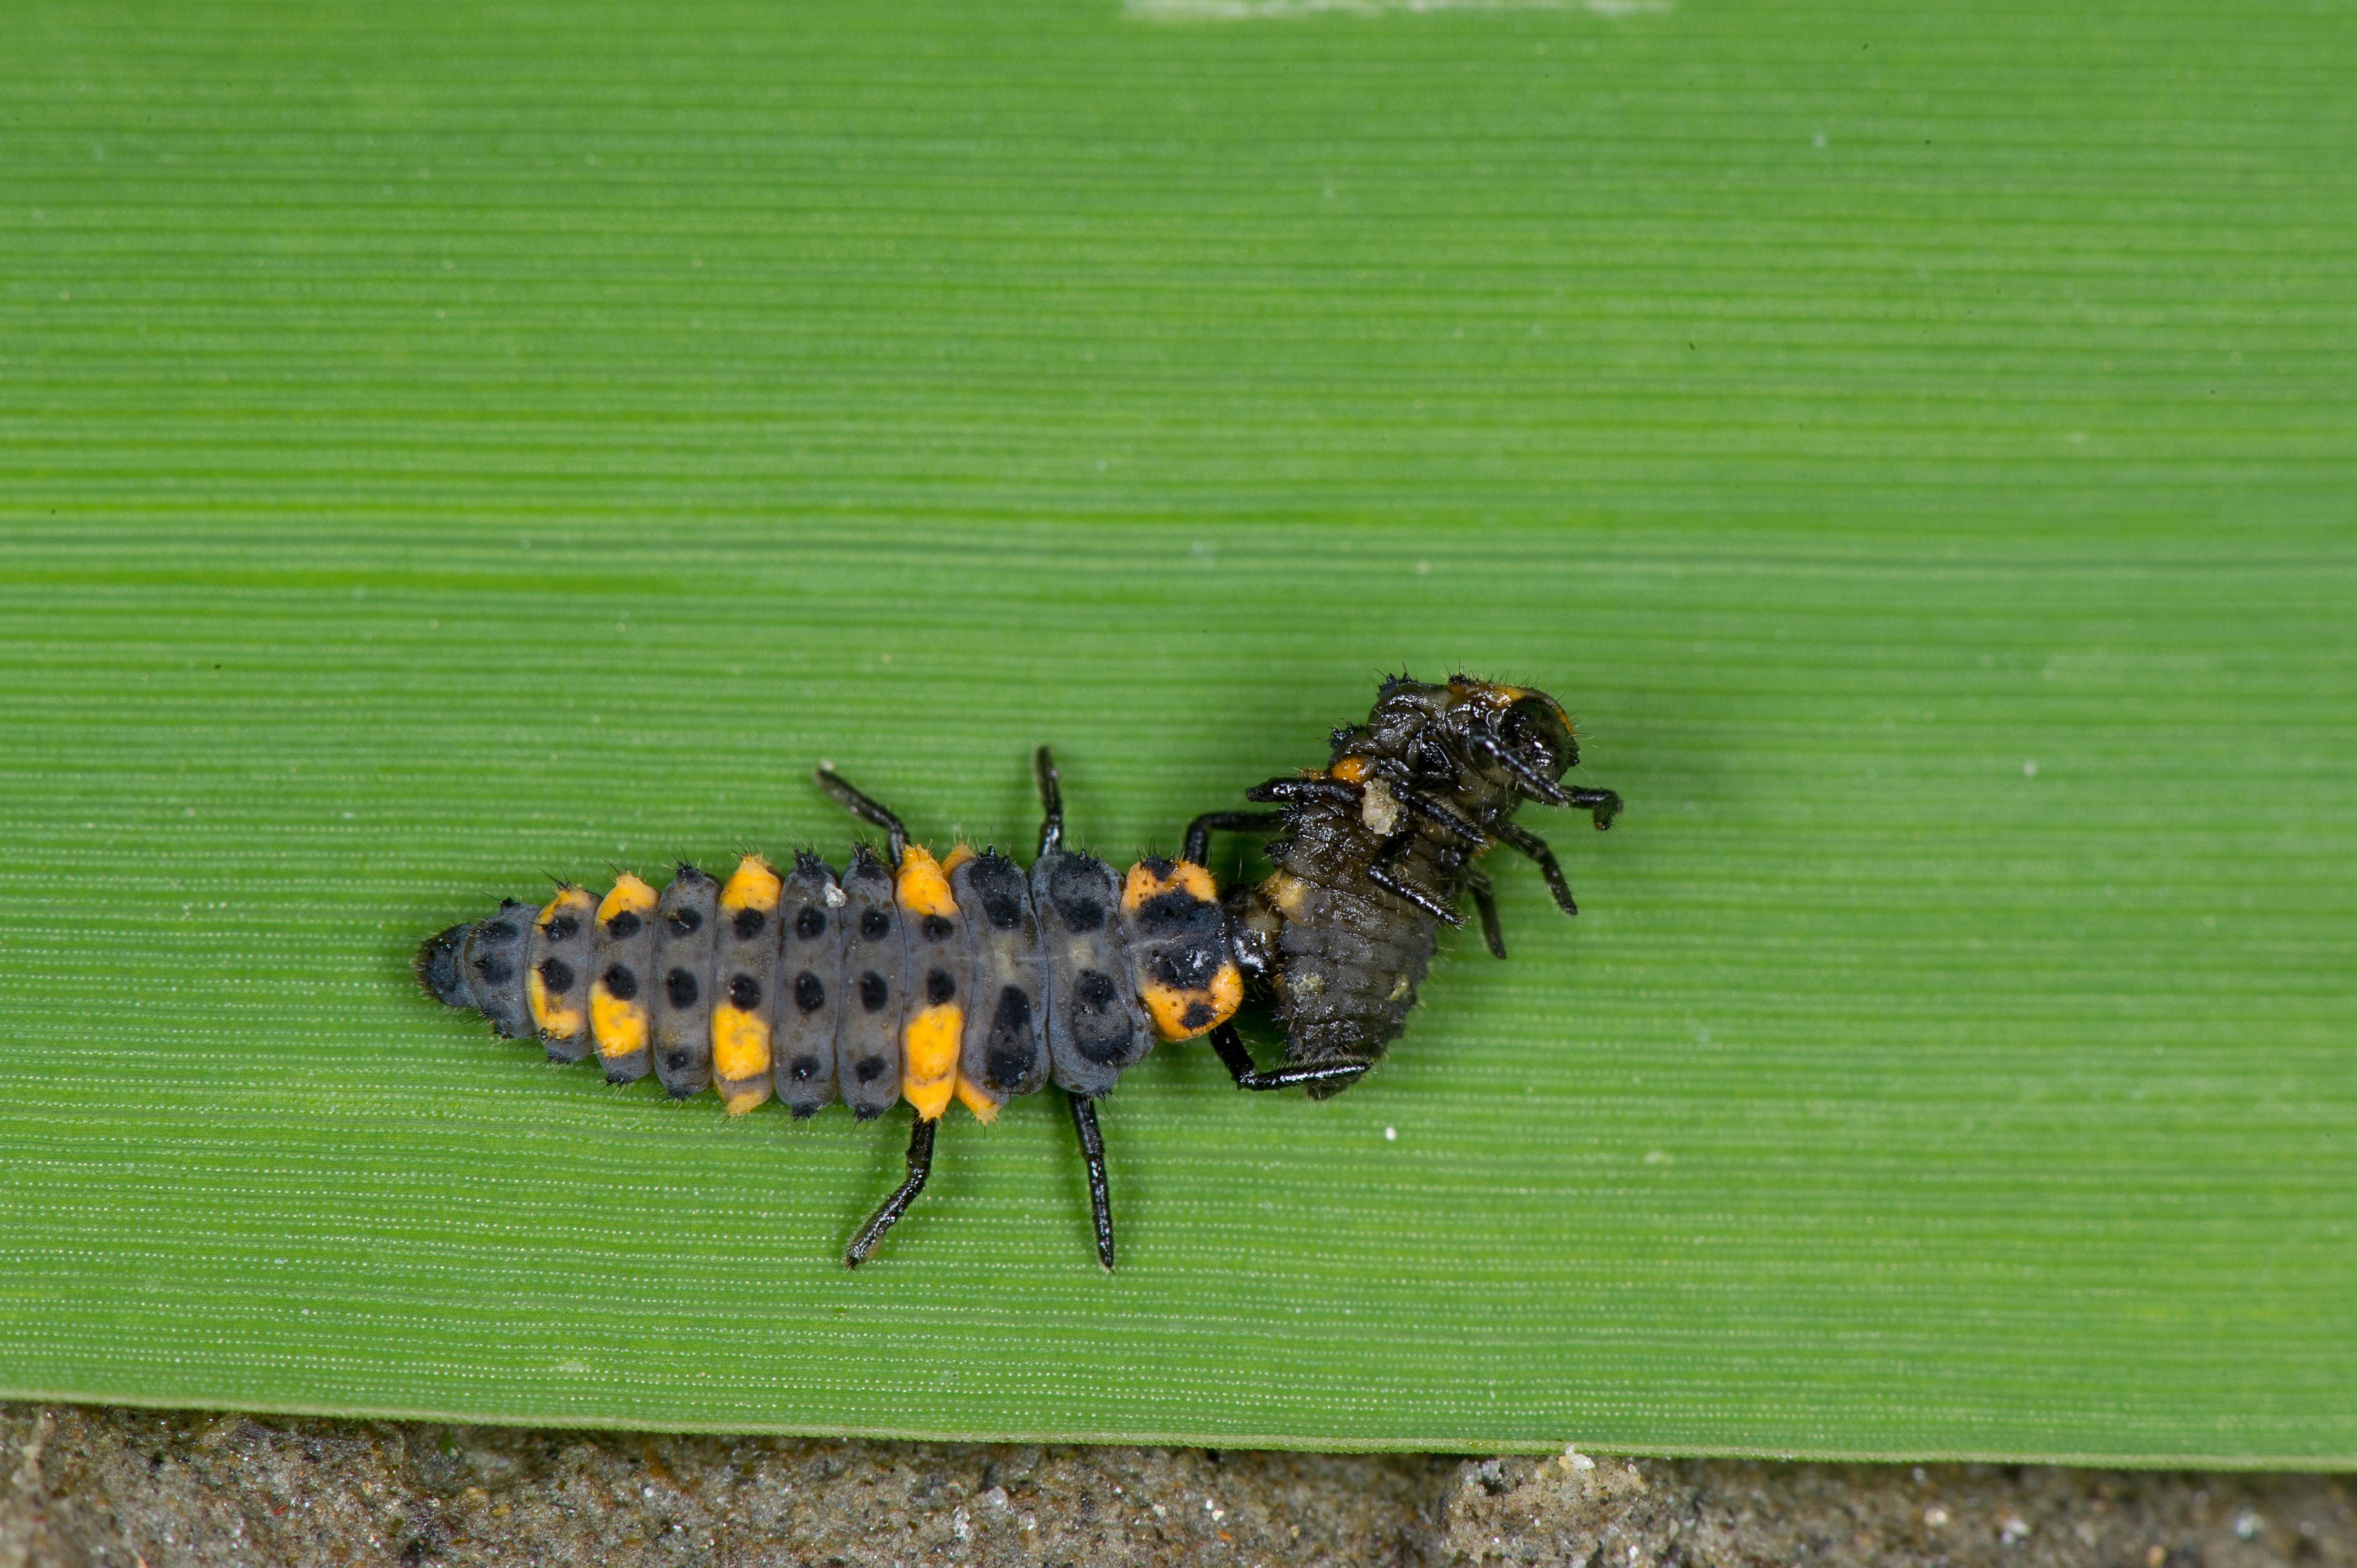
x: 865, y: 1113
x: 1189, y: 966
x: 565, y: 928
x: 680, y: 986
x: 498, y: 970
x: 1198, y: 1016
x: 1094, y: 990
x: 620, y: 984
x: 1009, y: 1051
x: 940, y: 986
x: 937, y: 928
x: 1004, y: 911
x: 744, y: 993
x: 1104, y: 1038
x: 624, y: 926
x: 810, y: 992
x: 1175, y: 913
x: 802, y: 1113
x: 875, y: 925
x: 676, y: 1060
x: 498, y: 931
x: 869, y: 1069
x: 873, y: 991
x: 557, y: 976
x: 748, y: 923
x: 1076, y: 887
x: 805, y: 1069
x: 810, y: 924
x: 685, y: 922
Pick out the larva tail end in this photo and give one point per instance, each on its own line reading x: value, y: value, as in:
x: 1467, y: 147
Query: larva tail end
x: 437, y: 967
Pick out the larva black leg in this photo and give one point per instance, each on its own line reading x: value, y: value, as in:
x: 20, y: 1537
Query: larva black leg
x: 1291, y: 791
x: 1084, y: 1122
x: 866, y: 810
x: 1199, y: 830
x: 1051, y: 807
x: 1528, y: 778
x: 1379, y: 872
x: 1603, y: 804
x: 920, y: 1165
x: 1487, y: 902
x: 1239, y: 1063
x: 1529, y: 843
x: 1448, y: 817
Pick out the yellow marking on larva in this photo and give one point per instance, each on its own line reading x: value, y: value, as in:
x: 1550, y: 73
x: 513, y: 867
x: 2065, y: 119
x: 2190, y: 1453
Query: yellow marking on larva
x: 739, y: 1104
x: 568, y: 897
x: 1289, y: 894
x: 1183, y: 1015
x: 923, y: 890
x: 629, y: 895
x: 557, y: 1023
x: 553, y: 1018
x: 752, y: 885
x: 984, y: 1108
x: 740, y: 1044
x: 619, y: 1027
x: 1186, y: 876
x: 929, y: 1054
x: 1350, y: 771
x: 956, y: 858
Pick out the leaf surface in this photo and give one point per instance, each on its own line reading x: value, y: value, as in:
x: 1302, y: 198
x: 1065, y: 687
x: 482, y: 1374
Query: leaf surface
x: 441, y: 452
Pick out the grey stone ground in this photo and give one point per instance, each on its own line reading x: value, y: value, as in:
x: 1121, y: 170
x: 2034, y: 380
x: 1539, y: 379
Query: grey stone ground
x: 115, y: 1487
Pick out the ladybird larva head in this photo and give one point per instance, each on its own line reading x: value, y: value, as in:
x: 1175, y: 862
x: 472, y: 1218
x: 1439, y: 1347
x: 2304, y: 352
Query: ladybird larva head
x: 437, y: 968
x: 1507, y: 741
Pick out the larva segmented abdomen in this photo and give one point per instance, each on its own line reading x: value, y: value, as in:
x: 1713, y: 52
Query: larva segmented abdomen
x: 965, y: 978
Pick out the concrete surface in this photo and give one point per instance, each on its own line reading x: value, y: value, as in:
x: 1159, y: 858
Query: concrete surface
x: 132, y: 1488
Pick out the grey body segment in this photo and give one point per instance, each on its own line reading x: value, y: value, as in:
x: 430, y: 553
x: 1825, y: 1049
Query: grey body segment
x: 809, y: 985
x: 558, y: 949
x: 1096, y: 1030
x: 1004, y: 1048
x: 744, y: 976
x: 493, y: 959
x: 867, y: 1026
x: 622, y: 965
x: 680, y: 1000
